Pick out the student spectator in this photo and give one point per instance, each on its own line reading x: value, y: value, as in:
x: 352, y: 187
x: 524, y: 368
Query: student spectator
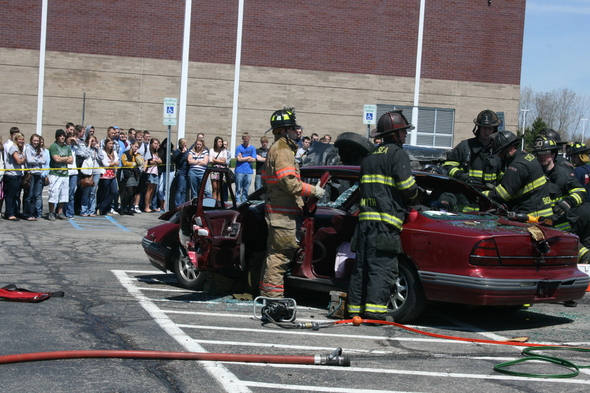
x: 72, y: 142
x: 225, y: 185
x: 80, y: 135
x: 314, y: 137
x: 245, y: 157
x: 15, y: 160
x: 107, y: 185
x: 218, y: 158
x: 261, y: 153
x: 152, y: 181
x: 165, y: 181
x: 144, y: 148
x: 132, y: 162
x: 179, y: 157
x: 198, y: 158
x: 89, y: 132
x: 44, y: 175
x: 88, y: 201
x: 35, y: 160
x: 123, y: 141
x: 61, y: 156
x: 2, y: 165
x: 131, y: 135
x: 302, y: 152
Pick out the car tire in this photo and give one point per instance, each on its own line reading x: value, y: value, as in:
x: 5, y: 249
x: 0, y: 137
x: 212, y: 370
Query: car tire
x: 186, y: 273
x: 351, y: 141
x: 407, y: 301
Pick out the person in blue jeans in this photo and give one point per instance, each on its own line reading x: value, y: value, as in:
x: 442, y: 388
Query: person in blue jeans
x: 35, y: 159
x: 245, y: 157
x: 179, y: 156
x: 198, y: 158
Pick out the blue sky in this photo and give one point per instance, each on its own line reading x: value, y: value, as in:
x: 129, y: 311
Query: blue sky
x: 556, y: 52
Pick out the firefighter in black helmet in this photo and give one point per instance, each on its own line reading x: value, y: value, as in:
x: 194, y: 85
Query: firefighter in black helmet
x: 471, y: 160
x: 550, y: 133
x: 283, y: 201
x: 387, y: 187
x: 523, y: 188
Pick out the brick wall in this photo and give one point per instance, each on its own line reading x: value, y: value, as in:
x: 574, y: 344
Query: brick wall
x: 464, y: 40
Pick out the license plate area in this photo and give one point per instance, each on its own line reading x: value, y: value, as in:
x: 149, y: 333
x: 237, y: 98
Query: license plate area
x: 546, y: 289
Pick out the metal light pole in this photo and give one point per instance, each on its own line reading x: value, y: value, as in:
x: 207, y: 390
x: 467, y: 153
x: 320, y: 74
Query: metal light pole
x: 523, y: 127
x: 584, y: 130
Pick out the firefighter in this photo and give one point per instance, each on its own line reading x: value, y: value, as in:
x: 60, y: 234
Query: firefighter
x: 387, y: 187
x: 283, y: 202
x: 471, y: 160
x: 578, y: 154
x: 565, y: 190
x: 523, y: 188
x: 559, y: 160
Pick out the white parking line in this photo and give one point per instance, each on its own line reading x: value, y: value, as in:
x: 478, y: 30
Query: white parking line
x: 231, y: 383
x: 218, y: 371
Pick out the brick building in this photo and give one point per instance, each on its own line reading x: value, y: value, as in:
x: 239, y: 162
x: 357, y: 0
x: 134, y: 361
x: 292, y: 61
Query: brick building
x: 325, y: 58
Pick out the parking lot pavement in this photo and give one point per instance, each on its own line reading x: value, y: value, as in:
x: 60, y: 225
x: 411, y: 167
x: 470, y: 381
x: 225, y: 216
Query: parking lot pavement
x: 114, y: 299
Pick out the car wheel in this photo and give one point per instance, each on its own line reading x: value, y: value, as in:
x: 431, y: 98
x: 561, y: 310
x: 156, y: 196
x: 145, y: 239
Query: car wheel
x: 186, y: 273
x: 407, y: 301
x: 352, y: 147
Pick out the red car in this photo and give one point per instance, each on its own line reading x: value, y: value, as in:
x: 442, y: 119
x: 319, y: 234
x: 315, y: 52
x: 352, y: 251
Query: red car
x: 480, y: 258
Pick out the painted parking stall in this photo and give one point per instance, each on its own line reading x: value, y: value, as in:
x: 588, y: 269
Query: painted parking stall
x: 379, y: 355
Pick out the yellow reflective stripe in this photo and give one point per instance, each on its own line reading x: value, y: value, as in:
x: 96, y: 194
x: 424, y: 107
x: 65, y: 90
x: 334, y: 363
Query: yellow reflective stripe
x: 531, y: 186
x: 475, y: 173
x: 453, y: 171
x: 541, y: 213
x: 583, y: 250
x: 451, y: 163
x: 469, y: 209
x: 563, y: 226
x: 576, y: 192
x: 354, y: 309
x: 387, y: 180
x: 384, y: 217
x: 375, y: 308
x: 408, y: 183
x: 490, y: 177
x: 503, y: 193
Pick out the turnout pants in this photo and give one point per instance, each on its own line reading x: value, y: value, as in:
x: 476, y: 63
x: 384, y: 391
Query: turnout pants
x: 375, y: 270
x: 281, y: 248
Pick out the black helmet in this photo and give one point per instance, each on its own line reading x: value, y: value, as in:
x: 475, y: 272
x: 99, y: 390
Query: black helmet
x: 283, y: 118
x: 503, y: 139
x: 487, y: 118
x: 576, y: 148
x: 542, y: 144
x: 552, y: 134
x: 389, y: 122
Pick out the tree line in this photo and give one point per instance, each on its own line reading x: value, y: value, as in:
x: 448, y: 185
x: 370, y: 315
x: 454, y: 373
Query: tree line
x: 563, y: 110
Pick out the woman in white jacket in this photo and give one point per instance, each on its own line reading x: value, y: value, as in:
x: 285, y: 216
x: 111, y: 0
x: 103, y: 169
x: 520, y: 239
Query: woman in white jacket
x: 35, y: 160
x: 108, y: 190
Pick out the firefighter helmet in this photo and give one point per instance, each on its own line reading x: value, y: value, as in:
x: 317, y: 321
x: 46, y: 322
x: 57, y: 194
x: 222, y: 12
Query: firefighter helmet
x: 552, y: 134
x: 542, y: 145
x: 486, y: 118
x: 282, y: 118
x: 577, y: 148
x: 390, y: 122
x: 503, y: 139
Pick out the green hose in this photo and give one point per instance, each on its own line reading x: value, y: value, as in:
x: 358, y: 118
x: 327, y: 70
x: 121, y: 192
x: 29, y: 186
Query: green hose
x: 531, y: 355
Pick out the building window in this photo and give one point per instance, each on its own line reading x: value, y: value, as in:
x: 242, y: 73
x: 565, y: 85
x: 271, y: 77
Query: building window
x: 435, y: 125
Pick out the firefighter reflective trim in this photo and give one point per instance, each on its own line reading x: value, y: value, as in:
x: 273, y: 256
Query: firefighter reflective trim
x: 269, y: 179
x: 287, y: 171
x: 384, y: 217
x: 388, y: 181
x: 451, y: 163
x: 564, y: 226
x: 305, y: 189
x: 476, y: 173
x: 542, y: 213
x: 583, y: 251
x: 575, y: 193
x: 375, y: 308
x: 490, y: 177
x: 271, y: 288
x: 283, y: 209
x: 526, y: 189
x: 354, y: 309
x: 454, y: 171
x: 467, y: 209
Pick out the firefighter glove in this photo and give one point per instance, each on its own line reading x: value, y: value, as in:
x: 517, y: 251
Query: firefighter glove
x: 561, y: 208
x: 318, y: 192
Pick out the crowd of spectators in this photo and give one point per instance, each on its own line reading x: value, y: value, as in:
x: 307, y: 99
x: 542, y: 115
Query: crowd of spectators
x: 123, y: 173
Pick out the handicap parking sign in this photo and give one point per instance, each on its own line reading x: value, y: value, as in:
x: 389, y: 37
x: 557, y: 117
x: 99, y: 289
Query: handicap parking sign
x: 370, y: 111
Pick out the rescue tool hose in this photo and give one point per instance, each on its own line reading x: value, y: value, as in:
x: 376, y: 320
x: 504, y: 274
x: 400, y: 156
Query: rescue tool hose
x: 334, y: 359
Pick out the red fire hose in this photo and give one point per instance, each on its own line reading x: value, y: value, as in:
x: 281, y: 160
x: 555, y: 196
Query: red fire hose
x: 334, y: 359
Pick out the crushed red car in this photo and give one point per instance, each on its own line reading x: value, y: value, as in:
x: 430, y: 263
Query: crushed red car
x: 481, y: 258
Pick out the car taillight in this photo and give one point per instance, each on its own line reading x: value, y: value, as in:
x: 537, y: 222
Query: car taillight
x: 485, y: 253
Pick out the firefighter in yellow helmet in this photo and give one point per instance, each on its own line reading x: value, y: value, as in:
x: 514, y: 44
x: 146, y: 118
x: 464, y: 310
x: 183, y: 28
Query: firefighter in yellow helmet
x: 283, y: 202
